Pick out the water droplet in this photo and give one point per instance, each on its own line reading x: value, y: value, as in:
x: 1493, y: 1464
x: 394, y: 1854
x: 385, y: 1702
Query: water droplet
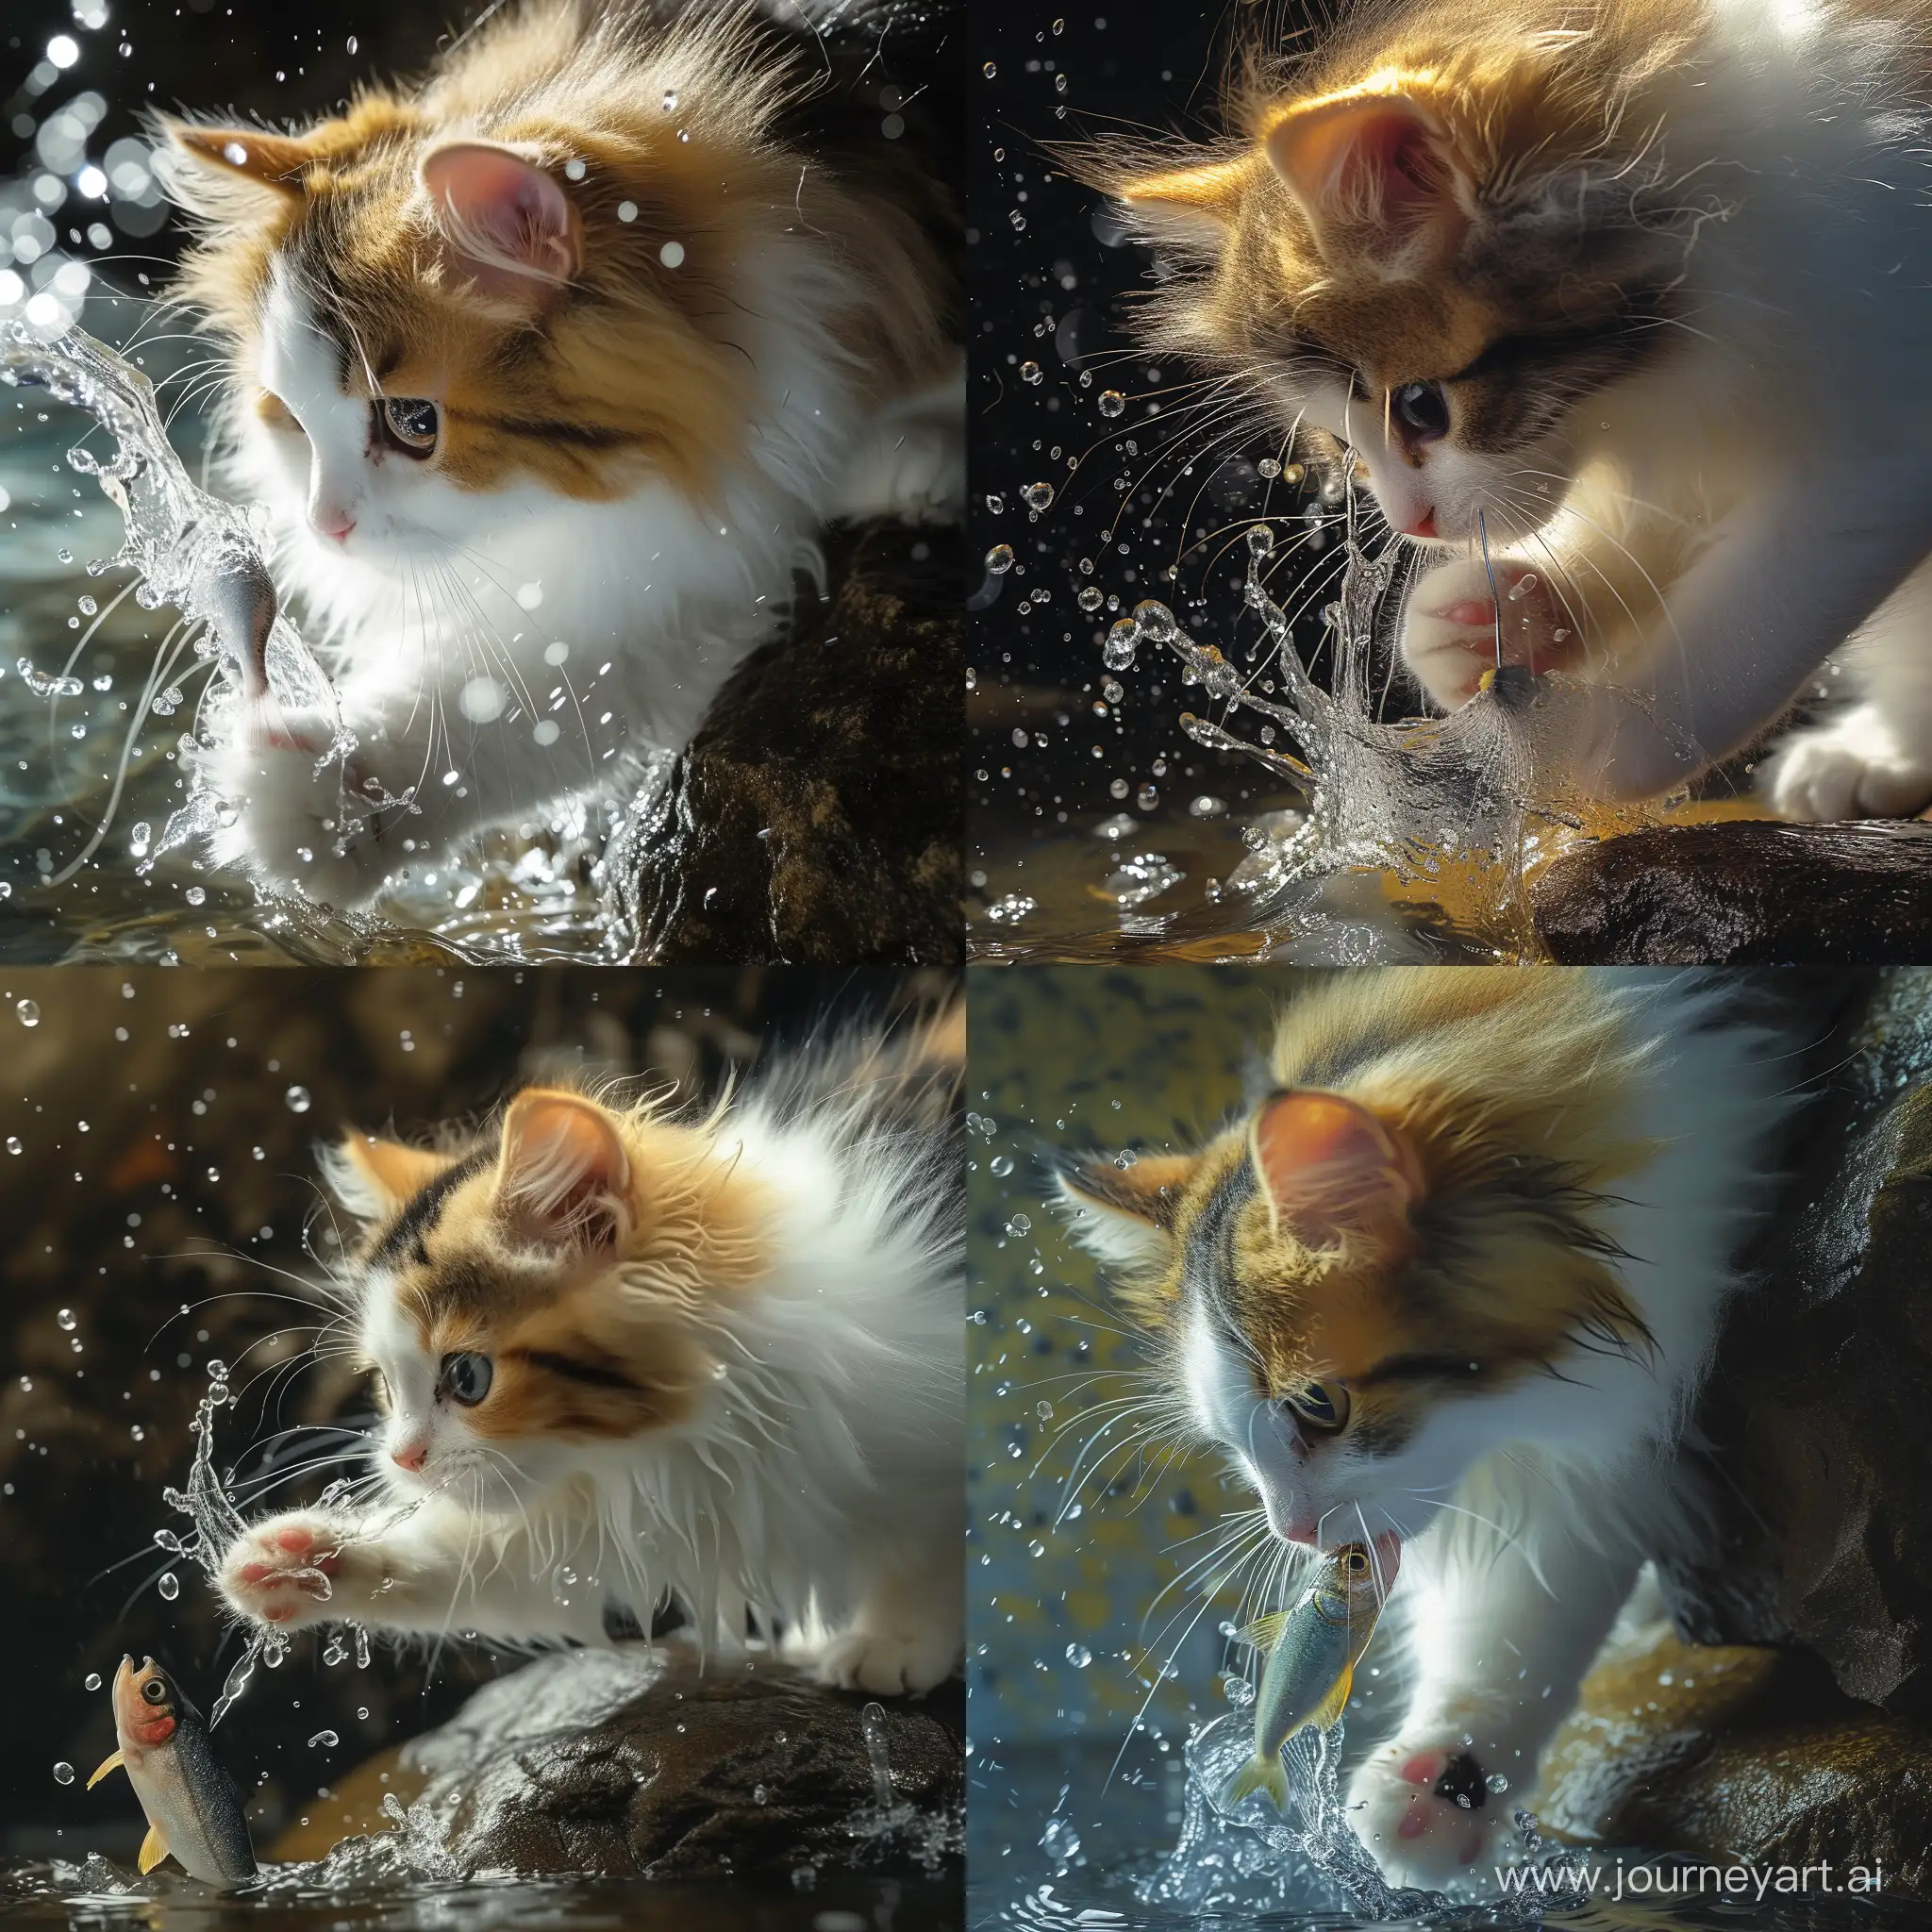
x: 1038, y: 495
x: 1079, y: 1656
x: 353, y: 45
x: 1122, y: 641
x: 63, y: 1773
x: 196, y: 896
x: 759, y: 1795
x: 362, y: 1712
x: 327, y: 1740
x: 217, y: 1370
x: 1496, y: 1783
x: 1269, y: 468
x: 999, y: 559
x: 1092, y: 597
x: 990, y: 68
x: 169, y: 1586
x: 1031, y: 371
x: 1112, y: 403
x: 66, y: 1321
x: 1001, y: 1164
x: 88, y: 606
x: 30, y: 1012
x: 91, y: 1681
x: 670, y: 101
x: 1523, y: 586
x: 299, y: 1099
x: 13, y: 1143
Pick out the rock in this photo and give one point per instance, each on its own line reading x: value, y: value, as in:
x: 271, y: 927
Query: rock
x: 1743, y: 891
x: 637, y: 1762
x: 817, y: 816
x: 1814, y: 1414
x: 1739, y: 1752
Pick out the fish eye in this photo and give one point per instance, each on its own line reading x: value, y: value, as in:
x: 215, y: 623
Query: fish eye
x: 410, y: 423
x: 1357, y: 1562
x: 1424, y: 409
x: 155, y: 1691
x: 1323, y: 1405
x: 467, y: 1376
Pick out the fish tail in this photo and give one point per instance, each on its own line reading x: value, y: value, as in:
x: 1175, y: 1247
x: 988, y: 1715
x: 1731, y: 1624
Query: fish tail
x: 1260, y: 1775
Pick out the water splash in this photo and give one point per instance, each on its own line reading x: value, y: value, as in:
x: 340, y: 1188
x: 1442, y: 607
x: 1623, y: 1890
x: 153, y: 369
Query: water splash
x: 194, y: 551
x: 1407, y: 795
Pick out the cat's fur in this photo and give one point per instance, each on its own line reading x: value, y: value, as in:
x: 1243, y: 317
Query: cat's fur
x: 676, y: 306
x: 1501, y: 1212
x: 725, y: 1370
x: 1662, y: 264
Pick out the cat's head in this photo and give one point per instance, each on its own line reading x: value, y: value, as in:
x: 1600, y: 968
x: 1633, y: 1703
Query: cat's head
x: 554, y: 1286
x: 1357, y: 1302
x: 436, y: 337
x: 1435, y: 254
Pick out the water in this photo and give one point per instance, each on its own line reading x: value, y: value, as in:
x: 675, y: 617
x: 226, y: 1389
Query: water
x: 106, y: 713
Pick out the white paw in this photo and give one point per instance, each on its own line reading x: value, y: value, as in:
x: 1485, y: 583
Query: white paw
x: 1852, y: 768
x: 282, y: 1570
x: 890, y: 1665
x: 1427, y: 1817
x: 916, y: 472
x: 1449, y: 626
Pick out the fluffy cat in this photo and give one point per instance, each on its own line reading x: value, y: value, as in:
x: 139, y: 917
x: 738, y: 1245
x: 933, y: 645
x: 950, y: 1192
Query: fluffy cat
x: 1456, y: 1276
x: 713, y: 1359
x: 1640, y: 285
x: 548, y: 374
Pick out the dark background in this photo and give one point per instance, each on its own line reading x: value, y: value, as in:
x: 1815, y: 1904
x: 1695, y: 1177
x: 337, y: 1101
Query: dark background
x: 192, y: 1181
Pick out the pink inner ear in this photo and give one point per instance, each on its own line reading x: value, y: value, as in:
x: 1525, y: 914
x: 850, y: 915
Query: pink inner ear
x: 1328, y: 1165
x: 1373, y: 160
x: 507, y: 218
x: 561, y: 1160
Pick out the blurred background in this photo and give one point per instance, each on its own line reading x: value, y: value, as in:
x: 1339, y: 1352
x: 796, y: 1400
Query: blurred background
x: 157, y: 1181
x: 1089, y: 801
x: 1088, y: 1659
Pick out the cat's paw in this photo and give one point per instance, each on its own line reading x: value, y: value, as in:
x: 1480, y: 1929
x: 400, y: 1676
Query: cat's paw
x: 896, y: 1665
x: 1852, y: 768
x: 1449, y: 626
x: 283, y: 1569
x: 1427, y: 1816
x: 284, y: 822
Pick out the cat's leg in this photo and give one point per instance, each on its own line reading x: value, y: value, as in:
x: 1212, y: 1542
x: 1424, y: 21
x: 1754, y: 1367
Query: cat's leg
x: 908, y: 1631
x: 1873, y: 758
x: 909, y: 462
x: 1451, y: 637
x: 1500, y: 1633
x: 435, y: 1571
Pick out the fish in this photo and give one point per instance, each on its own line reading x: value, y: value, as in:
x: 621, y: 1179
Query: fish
x: 1312, y: 1650
x: 194, y: 1810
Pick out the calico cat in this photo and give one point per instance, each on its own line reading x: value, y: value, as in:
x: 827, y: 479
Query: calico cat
x: 1455, y: 1276
x: 548, y: 372
x: 630, y: 1355
x: 1629, y: 293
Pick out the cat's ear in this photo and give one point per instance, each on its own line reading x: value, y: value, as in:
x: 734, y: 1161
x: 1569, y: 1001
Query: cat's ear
x: 564, y: 1177
x: 1329, y: 1166
x: 273, y: 161
x: 509, y: 224
x: 1125, y: 1216
x: 373, y: 1176
x: 1376, y: 174
x: 1200, y: 201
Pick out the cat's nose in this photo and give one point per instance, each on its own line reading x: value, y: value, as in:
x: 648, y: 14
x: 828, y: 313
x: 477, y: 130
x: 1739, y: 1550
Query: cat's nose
x: 330, y: 522
x: 411, y: 1455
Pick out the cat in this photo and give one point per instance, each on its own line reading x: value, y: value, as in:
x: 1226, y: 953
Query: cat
x: 1454, y: 1276
x: 548, y: 374
x: 1627, y: 295
x: 629, y: 1354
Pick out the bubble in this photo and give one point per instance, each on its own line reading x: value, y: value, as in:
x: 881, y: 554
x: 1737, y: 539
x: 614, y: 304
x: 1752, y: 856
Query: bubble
x: 196, y: 896
x: 217, y: 1370
x: 1092, y: 597
x: 1038, y: 495
x: 65, y: 1321
x: 362, y: 1712
x: 1269, y: 468
x: 999, y: 559
x: 63, y: 1773
x: 1112, y: 403
x: 299, y: 1099
x: 169, y: 1586
x: 1079, y: 1656
x: 139, y: 839
x: 13, y: 1143
x: 30, y: 1012
x: 91, y: 1681
x: 88, y: 606
x: 1031, y: 371
x: 1001, y: 1164
x: 326, y: 1740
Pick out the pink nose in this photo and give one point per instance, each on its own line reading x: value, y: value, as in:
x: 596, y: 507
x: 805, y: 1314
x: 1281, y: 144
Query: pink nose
x: 333, y: 523
x: 411, y: 1455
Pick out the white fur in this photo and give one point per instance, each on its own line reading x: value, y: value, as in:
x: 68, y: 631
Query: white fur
x: 446, y: 670
x: 818, y: 1487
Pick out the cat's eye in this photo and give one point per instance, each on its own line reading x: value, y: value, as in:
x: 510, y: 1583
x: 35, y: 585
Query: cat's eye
x: 155, y: 1691
x: 467, y: 1376
x: 1424, y: 409
x: 410, y: 422
x: 1323, y: 1405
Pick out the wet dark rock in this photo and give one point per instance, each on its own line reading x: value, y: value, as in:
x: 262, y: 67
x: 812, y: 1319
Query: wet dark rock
x: 1740, y: 1752
x: 1745, y: 892
x: 1816, y: 1411
x: 638, y: 1762
x: 818, y: 814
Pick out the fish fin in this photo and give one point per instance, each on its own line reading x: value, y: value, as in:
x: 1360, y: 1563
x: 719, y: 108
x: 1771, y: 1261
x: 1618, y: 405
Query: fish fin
x: 107, y: 1764
x: 1260, y: 1775
x: 154, y: 1848
x: 1264, y: 1633
x: 1332, y: 1706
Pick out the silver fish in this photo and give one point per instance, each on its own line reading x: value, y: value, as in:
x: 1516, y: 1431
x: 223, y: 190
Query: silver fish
x: 194, y: 1810
x: 1312, y: 1650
